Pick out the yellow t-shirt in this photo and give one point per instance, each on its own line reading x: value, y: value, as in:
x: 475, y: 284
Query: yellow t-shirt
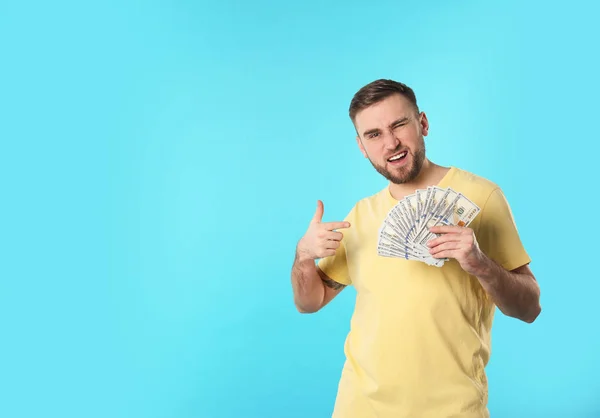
x: 419, y: 336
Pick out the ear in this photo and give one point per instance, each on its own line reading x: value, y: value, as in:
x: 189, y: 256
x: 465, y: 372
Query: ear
x: 424, y: 123
x: 361, y: 147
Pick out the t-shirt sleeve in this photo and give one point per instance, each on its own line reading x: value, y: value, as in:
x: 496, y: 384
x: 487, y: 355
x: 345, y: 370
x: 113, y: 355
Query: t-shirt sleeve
x: 336, y: 266
x: 498, y: 237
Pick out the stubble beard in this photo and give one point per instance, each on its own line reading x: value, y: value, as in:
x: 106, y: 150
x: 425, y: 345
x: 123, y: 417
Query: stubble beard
x: 406, y: 174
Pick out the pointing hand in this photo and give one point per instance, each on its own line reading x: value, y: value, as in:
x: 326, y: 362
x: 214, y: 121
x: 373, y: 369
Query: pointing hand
x: 321, y: 238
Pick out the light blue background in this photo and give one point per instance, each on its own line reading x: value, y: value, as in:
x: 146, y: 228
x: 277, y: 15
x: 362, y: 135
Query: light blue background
x: 159, y: 161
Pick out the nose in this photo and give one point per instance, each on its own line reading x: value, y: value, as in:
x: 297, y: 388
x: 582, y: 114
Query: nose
x: 391, y: 141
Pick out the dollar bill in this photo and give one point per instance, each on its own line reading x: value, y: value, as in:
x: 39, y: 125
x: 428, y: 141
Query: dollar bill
x: 460, y: 212
x: 405, y: 231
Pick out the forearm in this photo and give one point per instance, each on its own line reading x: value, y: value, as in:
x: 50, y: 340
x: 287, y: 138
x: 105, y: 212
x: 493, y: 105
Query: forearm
x: 307, y: 285
x: 516, y: 294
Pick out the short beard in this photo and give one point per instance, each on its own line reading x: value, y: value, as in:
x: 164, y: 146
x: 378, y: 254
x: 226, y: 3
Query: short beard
x: 407, y: 174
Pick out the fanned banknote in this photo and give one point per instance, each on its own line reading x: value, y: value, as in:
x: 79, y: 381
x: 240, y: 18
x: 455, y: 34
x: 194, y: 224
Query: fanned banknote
x: 405, y: 233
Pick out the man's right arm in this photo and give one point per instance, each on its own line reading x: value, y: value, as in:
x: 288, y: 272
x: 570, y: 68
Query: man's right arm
x: 313, y: 289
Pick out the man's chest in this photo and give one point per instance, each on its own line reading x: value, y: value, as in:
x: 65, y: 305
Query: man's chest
x: 389, y: 282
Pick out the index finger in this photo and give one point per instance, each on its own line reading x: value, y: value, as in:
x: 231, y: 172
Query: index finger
x: 330, y: 226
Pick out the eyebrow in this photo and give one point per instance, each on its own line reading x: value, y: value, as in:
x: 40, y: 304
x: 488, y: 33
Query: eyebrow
x: 396, y: 122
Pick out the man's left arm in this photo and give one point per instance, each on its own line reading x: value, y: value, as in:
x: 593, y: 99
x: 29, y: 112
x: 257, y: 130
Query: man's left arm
x: 515, y: 292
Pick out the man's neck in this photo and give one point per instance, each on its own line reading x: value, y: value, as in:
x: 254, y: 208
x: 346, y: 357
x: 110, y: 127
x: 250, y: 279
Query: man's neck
x: 430, y: 175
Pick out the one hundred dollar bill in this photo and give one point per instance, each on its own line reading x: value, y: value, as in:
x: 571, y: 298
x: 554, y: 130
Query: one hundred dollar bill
x: 405, y: 231
x: 460, y: 212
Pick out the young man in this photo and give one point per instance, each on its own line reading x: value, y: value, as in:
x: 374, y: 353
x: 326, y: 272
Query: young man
x: 420, y: 334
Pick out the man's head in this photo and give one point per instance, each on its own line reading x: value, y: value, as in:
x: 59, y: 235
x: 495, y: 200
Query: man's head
x: 390, y: 129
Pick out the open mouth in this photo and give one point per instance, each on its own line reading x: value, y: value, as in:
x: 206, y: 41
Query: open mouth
x: 395, y: 159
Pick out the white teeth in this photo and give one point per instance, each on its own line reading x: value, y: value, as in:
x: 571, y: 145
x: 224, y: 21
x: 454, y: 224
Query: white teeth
x: 397, y: 157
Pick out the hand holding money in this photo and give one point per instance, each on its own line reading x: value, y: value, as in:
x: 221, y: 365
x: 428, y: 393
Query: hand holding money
x: 321, y: 238
x: 407, y: 229
x: 459, y: 243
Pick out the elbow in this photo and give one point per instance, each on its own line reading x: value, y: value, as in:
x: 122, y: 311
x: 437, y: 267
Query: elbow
x: 533, y: 314
x: 306, y: 311
x: 306, y: 308
x: 535, y: 309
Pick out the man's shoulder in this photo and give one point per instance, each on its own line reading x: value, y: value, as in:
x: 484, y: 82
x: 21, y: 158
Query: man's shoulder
x: 475, y: 179
x: 473, y: 185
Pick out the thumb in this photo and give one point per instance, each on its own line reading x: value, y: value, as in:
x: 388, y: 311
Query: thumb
x: 318, y: 216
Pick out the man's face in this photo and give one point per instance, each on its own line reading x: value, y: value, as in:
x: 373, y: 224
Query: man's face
x: 391, y: 135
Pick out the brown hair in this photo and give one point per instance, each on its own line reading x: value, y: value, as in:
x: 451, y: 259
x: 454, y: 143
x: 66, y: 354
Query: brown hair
x: 377, y: 91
